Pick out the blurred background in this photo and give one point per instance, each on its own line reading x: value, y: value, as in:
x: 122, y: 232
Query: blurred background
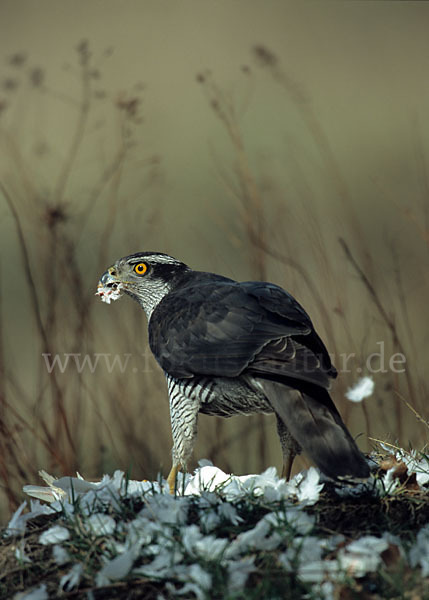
x: 286, y: 141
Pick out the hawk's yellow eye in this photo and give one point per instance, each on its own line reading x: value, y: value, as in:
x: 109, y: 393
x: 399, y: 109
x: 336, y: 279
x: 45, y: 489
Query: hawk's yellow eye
x: 140, y: 269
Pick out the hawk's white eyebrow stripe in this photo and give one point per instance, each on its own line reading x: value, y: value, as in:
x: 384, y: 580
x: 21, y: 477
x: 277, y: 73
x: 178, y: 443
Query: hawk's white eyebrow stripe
x: 156, y: 258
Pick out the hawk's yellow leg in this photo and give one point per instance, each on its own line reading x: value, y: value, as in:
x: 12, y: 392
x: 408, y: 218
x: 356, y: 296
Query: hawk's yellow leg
x: 172, y: 477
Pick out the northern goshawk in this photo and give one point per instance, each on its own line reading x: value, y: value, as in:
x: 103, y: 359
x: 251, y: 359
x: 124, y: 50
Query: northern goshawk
x: 231, y: 348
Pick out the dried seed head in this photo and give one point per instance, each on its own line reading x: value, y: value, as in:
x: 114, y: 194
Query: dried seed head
x: 265, y: 56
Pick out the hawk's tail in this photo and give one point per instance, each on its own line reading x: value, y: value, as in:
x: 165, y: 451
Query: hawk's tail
x: 316, y: 425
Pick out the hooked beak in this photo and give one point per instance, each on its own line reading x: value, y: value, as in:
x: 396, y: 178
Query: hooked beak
x: 107, y: 280
x: 109, y: 288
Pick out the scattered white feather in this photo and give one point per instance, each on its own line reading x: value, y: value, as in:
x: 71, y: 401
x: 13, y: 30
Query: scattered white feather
x: 388, y: 448
x: 100, y: 524
x: 362, y: 556
x: 324, y: 591
x: 318, y: 570
x: 60, y: 555
x: 301, y: 521
x: 229, y: 512
x: 63, y: 488
x: 167, y: 562
x: 71, y: 579
x: 301, y: 550
x: 309, y: 488
x: 200, y: 577
x: 118, y: 567
x: 419, y: 552
x: 54, y: 535
x: 207, y: 478
x: 37, y: 509
x: 261, y: 537
x: 389, y: 482
x: 167, y: 509
x: 209, y: 520
x: 18, y: 522
x: 238, y: 573
x: 20, y: 554
x: 188, y: 588
x: 40, y: 593
x: 197, y: 545
x: 361, y: 390
x: 47, y: 494
x: 414, y: 464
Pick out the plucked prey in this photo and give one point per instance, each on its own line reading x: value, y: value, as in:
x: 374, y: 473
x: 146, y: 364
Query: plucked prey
x: 231, y: 348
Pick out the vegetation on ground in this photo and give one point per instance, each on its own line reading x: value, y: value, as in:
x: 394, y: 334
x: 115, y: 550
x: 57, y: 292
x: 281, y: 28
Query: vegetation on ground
x: 87, y: 414
x: 222, y: 536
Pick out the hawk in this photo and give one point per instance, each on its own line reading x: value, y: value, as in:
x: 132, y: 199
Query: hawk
x: 230, y: 348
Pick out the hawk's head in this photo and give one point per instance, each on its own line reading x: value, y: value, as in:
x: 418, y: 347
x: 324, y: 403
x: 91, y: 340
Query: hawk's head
x: 145, y: 276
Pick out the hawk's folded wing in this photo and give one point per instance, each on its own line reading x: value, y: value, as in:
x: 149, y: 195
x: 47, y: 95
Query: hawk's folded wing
x: 219, y: 327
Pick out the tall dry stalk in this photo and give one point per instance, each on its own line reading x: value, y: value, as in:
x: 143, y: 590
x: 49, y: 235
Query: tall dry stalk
x: 71, y: 420
x: 260, y: 233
